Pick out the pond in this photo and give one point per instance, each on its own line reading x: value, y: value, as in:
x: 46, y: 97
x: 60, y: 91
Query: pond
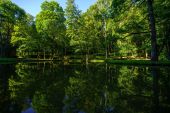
x: 78, y: 88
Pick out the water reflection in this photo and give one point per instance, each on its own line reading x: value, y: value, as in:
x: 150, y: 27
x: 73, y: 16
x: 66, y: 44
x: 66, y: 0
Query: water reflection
x: 27, y: 106
x: 92, y: 88
x: 7, y: 104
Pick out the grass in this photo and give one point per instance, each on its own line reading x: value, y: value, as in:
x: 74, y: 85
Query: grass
x: 8, y: 59
x: 14, y: 60
x: 139, y: 62
x: 97, y: 61
x: 111, y: 61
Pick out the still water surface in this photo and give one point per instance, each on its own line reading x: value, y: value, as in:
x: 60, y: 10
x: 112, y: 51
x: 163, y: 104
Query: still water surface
x: 79, y: 88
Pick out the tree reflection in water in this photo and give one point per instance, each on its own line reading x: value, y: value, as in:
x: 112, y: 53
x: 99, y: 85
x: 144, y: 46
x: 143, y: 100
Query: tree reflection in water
x: 92, y: 88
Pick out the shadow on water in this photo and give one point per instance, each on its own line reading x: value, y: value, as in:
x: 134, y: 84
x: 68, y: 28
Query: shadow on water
x: 161, y: 87
x: 79, y: 88
x: 7, y: 104
x: 155, y: 71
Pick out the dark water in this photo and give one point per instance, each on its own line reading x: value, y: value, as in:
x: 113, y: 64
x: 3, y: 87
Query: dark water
x: 78, y: 88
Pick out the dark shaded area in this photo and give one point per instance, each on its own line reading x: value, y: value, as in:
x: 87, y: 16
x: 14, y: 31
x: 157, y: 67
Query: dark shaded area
x: 7, y: 104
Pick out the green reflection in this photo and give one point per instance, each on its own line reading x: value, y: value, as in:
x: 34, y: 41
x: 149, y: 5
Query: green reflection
x: 92, y: 88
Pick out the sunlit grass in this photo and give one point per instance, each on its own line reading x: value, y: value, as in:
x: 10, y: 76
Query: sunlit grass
x: 97, y: 61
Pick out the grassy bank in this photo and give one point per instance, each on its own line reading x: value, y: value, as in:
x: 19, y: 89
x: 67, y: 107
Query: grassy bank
x: 139, y: 62
x: 8, y: 59
x: 71, y: 59
x: 111, y: 61
x: 13, y: 60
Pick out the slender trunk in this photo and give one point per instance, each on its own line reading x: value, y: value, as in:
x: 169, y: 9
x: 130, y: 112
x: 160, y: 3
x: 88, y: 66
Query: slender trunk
x: 87, y: 56
x: 52, y: 56
x: 154, y: 54
x: 106, y: 52
x: 44, y: 53
x: 106, y: 46
x: 146, y: 54
x: 44, y: 67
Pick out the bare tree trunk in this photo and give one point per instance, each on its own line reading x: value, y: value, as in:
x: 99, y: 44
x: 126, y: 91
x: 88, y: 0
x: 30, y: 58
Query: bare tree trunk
x: 105, y: 36
x: 87, y: 56
x: 44, y: 53
x: 154, y: 53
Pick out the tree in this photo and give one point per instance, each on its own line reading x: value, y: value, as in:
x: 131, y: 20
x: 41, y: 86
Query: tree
x: 25, y: 36
x: 162, y: 21
x: 103, y: 8
x: 154, y: 53
x: 10, y: 13
x: 87, y: 35
x: 50, y: 26
x: 72, y: 14
x: 154, y: 46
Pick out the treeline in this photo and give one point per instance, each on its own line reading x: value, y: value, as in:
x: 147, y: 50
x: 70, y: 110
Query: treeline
x: 111, y: 28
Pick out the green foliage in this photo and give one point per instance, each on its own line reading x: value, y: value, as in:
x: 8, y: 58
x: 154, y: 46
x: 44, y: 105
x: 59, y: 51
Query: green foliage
x: 73, y: 24
x: 25, y: 37
x: 93, y: 88
x: 118, y: 28
x: 72, y: 14
x: 10, y: 15
x: 162, y: 21
x: 50, y: 26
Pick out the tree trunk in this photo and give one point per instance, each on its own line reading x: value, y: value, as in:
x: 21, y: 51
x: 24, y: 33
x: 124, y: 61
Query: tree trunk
x: 44, y: 54
x: 105, y: 38
x: 87, y: 56
x: 154, y: 54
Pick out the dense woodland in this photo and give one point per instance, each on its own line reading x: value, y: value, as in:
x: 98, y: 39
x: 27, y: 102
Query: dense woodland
x: 109, y: 28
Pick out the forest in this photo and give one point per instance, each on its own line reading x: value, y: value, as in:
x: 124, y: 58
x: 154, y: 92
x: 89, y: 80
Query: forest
x: 124, y: 32
x: 133, y: 29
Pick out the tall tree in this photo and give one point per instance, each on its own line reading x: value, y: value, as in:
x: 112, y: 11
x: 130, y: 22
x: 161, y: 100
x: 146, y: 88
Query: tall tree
x: 162, y: 16
x: 10, y: 13
x: 50, y: 25
x: 72, y: 14
x: 25, y: 36
x: 154, y: 52
x: 103, y: 8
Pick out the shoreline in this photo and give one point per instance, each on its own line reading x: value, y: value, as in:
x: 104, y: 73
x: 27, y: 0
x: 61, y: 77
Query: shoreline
x: 110, y: 61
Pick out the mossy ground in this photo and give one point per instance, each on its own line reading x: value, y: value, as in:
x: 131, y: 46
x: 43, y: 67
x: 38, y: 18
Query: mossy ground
x: 139, y: 62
